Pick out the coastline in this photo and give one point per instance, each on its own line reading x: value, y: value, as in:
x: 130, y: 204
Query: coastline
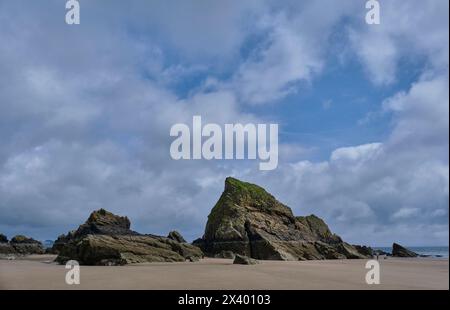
x: 39, y: 272
x: 422, y: 251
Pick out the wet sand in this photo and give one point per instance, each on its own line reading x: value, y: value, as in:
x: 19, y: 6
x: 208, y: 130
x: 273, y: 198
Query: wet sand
x: 38, y: 272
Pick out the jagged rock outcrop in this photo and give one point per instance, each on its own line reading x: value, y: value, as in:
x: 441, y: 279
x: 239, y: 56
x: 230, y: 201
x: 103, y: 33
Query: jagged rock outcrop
x: 175, y: 235
x: 249, y: 221
x: 3, y: 238
x: 400, y: 251
x: 106, y: 239
x: 365, y: 250
x: 24, y: 245
x: 21, y: 245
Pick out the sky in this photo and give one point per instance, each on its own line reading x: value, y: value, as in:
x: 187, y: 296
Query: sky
x: 86, y: 111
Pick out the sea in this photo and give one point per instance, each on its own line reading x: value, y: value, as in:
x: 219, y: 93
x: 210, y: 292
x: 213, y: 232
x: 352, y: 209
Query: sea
x: 432, y: 251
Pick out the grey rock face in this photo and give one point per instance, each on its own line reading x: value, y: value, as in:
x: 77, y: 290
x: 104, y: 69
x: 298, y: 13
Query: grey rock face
x: 106, y: 239
x: 249, y: 221
x: 21, y: 245
x: 400, y: 251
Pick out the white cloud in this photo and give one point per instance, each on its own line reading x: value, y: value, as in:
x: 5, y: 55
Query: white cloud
x: 273, y: 72
x: 379, y: 54
x: 421, y: 114
x: 406, y: 213
x: 356, y: 153
x: 408, y: 28
x: 293, y: 51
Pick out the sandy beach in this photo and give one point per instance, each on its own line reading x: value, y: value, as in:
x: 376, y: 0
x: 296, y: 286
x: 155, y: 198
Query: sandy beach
x: 38, y: 272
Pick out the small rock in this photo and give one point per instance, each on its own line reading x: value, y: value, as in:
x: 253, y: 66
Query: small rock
x: 244, y: 260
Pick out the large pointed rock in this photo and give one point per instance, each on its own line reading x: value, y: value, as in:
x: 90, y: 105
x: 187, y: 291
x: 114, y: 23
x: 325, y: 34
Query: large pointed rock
x: 400, y: 251
x: 249, y: 221
x: 106, y: 239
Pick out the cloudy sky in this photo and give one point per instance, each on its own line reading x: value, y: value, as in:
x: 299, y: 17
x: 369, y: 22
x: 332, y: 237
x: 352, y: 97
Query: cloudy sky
x: 86, y: 110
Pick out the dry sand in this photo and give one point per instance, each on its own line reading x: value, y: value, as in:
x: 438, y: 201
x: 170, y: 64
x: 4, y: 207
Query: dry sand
x: 37, y: 272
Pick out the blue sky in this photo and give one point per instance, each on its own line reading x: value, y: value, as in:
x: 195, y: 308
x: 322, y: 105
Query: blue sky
x: 363, y: 112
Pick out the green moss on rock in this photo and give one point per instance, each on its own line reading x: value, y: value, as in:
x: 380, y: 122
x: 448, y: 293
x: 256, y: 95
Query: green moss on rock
x: 247, y: 220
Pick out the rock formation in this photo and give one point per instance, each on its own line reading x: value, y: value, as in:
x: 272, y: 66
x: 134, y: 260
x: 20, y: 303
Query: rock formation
x: 365, y: 250
x: 25, y: 246
x: 249, y: 221
x: 20, y: 245
x: 175, y: 235
x: 106, y: 239
x: 244, y: 260
x: 381, y: 253
x: 399, y: 251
